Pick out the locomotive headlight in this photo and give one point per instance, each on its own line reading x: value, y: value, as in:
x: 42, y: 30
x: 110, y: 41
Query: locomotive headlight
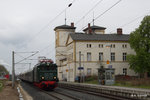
x: 54, y: 77
x: 42, y: 78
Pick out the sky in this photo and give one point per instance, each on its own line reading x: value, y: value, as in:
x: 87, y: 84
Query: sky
x: 28, y: 25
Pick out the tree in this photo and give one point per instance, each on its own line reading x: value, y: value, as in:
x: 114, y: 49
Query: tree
x: 3, y: 69
x: 140, y: 42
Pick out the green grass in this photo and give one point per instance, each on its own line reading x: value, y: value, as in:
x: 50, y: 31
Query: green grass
x: 122, y: 84
x: 92, y: 82
x: 1, y: 85
x: 139, y: 83
x: 131, y: 86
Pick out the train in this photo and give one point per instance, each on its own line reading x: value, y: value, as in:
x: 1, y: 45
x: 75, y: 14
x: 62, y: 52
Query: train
x: 43, y: 75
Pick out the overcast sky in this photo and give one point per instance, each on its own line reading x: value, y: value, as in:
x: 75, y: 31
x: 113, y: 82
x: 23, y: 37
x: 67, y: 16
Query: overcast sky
x: 26, y: 25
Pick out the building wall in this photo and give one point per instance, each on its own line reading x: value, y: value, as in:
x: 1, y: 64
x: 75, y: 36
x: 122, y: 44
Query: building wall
x: 99, y: 31
x: 118, y: 64
x: 61, y: 36
x: 68, y: 69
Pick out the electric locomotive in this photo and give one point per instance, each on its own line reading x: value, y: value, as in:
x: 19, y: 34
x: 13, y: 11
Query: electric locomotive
x: 43, y: 75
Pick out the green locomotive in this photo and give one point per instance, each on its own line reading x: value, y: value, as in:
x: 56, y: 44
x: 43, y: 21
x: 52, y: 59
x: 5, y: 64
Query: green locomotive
x: 43, y: 75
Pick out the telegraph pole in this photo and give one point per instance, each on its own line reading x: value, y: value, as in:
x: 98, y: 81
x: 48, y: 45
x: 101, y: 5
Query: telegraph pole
x: 13, y: 70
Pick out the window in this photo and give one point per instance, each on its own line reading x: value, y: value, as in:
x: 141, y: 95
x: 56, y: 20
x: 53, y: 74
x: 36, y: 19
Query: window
x: 112, y: 45
x: 88, y: 71
x: 124, y: 56
x: 107, y: 75
x: 100, y: 45
x: 71, y: 73
x: 125, y: 71
x: 89, y: 56
x: 112, y: 56
x: 89, y: 45
x: 100, y: 56
x: 124, y: 46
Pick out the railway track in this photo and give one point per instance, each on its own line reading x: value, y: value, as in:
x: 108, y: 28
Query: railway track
x: 57, y: 95
x: 60, y: 95
x: 113, y: 97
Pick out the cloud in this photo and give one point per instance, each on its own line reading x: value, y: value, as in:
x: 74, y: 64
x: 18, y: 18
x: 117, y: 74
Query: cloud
x: 2, y: 62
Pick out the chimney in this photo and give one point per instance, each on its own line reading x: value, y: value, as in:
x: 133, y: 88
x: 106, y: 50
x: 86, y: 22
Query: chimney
x: 72, y: 24
x: 89, y: 29
x: 89, y: 25
x: 119, y: 31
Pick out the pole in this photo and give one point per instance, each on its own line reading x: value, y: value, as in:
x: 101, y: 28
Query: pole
x: 110, y: 54
x: 13, y: 70
x: 80, y: 64
x: 83, y: 69
x: 69, y: 73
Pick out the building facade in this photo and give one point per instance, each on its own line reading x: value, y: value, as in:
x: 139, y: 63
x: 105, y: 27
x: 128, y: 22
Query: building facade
x: 90, y: 50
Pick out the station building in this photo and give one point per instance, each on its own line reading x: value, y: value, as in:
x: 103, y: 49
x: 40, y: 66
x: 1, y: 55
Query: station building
x: 96, y: 49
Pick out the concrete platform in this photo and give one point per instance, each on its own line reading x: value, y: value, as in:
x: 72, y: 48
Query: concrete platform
x: 26, y: 96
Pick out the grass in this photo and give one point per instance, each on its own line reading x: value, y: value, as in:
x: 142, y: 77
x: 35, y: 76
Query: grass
x: 2, y: 84
x: 130, y: 85
x: 127, y: 84
x: 136, y: 83
x: 92, y: 82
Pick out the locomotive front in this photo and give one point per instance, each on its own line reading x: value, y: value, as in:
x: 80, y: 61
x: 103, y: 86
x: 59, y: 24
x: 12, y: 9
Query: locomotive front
x: 45, y: 75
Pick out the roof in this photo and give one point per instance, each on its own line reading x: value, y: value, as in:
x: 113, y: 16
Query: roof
x: 99, y: 37
x: 64, y: 27
x: 94, y: 27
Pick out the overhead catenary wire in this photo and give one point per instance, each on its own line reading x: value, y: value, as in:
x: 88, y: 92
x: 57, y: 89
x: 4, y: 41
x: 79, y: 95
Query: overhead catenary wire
x: 133, y: 20
x: 26, y: 58
x: 44, y: 28
x: 84, y: 16
x: 52, y: 20
x: 103, y: 12
x: 89, y: 11
x: 99, y: 15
